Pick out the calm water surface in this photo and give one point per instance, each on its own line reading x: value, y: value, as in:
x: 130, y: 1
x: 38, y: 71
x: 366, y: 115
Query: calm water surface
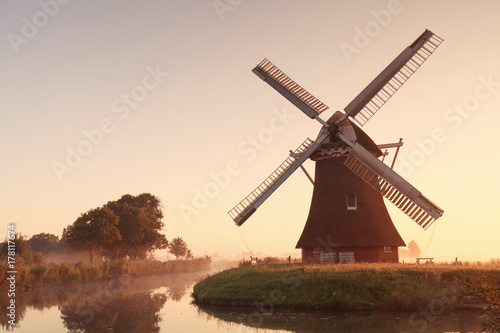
x: 164, y: 304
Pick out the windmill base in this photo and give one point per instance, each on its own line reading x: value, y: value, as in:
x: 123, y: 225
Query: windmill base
x: 350, y: 254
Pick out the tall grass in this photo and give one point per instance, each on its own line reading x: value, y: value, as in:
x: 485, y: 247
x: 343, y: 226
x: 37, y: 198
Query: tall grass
x: 45, y: 274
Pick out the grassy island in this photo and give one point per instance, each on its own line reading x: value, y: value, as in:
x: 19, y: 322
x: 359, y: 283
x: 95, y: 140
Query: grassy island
x: 400, y: 287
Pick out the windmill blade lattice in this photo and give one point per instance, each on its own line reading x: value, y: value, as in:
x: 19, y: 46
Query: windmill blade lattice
x: 394, y: 188
x: 385, y: 85
x: 245, y: 208
x: 300, y: 97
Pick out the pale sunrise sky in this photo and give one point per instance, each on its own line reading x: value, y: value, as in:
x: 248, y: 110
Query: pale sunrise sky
x: 105, y: 98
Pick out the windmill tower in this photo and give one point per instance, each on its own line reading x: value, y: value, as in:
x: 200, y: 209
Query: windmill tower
x: 348, y: 220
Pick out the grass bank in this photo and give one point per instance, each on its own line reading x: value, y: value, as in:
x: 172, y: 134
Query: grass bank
x: 343, y: 287
x: 53, y: 274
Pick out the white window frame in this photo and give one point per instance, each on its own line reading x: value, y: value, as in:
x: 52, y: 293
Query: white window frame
x: 349, y: 199
x: 328, y: 257
x: 318, y: 250
x: 346, y: 257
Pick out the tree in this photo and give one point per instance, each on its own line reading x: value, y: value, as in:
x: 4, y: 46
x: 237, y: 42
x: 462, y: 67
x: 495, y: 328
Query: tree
x: 44, y: 242
x: 93, y: 230
x: 178, y: 247
x: 129, y: 226
x: 22, y: 248
x: 140, y: 223
x: 414, y: 250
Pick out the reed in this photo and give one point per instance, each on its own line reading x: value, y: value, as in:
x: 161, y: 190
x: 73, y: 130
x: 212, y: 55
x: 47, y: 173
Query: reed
x: 49, y: 274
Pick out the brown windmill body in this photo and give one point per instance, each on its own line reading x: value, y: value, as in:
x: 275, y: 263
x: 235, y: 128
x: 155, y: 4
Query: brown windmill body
x: 348, y: 220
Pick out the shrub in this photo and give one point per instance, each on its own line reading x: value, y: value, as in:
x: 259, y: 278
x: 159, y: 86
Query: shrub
x: 39, y: 271
x: 88, y: 271
x: 119, y: 267
x: 38, y: 258
x: 69, y: 273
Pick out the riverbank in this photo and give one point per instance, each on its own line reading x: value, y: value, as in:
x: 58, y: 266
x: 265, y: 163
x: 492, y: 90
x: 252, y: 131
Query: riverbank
x: 399, y: 287
x: 55, y: 274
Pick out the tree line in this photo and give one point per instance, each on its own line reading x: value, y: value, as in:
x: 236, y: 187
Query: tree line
x: 129, y: 227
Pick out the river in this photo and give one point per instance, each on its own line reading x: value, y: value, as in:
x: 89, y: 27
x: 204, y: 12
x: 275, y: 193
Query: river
x: 164, y: 304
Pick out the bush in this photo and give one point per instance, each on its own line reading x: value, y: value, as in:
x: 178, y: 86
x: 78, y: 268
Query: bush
x: 69, y: 273
x: 488, y: 289
x: 244, y: 263
x: 88, y: 271
x: 119, y: 267
x: 38, y: 258
x: 39, y: 271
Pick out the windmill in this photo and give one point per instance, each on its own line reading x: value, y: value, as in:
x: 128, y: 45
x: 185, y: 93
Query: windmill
x: 348, y: 220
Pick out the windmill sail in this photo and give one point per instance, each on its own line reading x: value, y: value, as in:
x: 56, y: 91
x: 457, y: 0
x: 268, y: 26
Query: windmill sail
x: 243, y: 210
x: 306, y: 102
x: 392, y: 186
x: 374, y: 96
x: 361, y: 109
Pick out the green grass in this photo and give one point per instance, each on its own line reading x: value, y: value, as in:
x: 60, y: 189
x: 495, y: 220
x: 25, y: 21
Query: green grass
x: 346, y: 287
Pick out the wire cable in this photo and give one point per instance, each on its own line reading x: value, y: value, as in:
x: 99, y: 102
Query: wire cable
x: 430, y: 239
x: 241, y: 236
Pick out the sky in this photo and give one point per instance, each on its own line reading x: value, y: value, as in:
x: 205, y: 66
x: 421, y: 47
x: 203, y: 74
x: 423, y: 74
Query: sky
x: 105, y: 98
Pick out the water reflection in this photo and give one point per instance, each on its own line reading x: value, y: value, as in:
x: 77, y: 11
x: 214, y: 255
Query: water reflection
x: 123, y: 305
x: 38, y: 300
x: 119, y: 305
x: 132, y: 313
x: 353, y: 322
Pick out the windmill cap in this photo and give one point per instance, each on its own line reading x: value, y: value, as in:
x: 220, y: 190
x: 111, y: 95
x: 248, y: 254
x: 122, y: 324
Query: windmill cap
x: 361, y: 137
